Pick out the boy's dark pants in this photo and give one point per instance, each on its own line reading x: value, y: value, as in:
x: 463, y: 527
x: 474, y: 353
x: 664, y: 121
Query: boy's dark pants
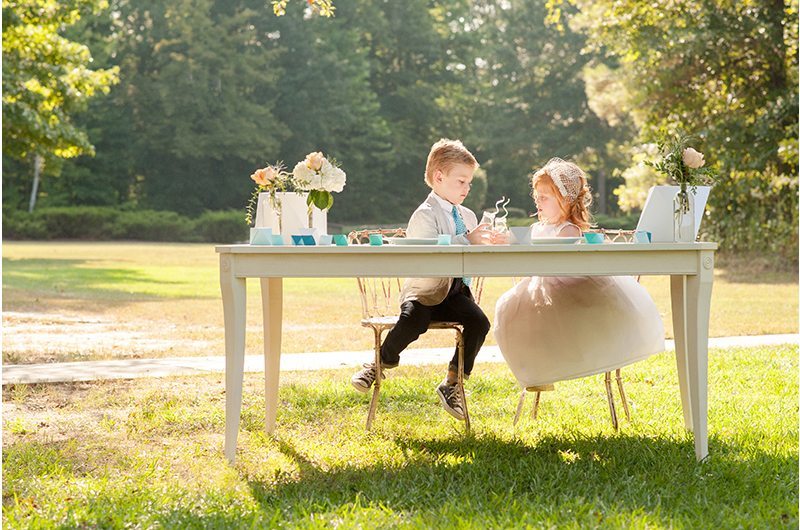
x: 458, y: 306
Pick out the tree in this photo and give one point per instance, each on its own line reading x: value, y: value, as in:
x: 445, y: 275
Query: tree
x: 200, y: 86
x: 527, y: 96
x: 46, y: 80
x: 727, y: 70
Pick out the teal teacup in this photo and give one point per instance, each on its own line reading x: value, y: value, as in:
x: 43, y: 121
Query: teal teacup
x: 376, y: 240
x: 340, y: 240
x: 594, y: 238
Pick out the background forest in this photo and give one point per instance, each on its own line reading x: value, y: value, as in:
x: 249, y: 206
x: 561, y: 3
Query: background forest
x: 170, y: 106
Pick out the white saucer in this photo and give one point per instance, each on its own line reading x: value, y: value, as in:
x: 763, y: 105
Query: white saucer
x: 412, y: 240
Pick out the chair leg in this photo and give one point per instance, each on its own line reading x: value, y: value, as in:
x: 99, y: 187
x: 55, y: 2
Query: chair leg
x: 519, y: 406
x: 535, y: 410
x: 373, y: 405
x: 460, y: 347
x: 622, y: 396
x: 611, y: 407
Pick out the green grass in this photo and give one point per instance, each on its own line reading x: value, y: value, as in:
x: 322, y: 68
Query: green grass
x: 148, y: 453
x: 163, y: 290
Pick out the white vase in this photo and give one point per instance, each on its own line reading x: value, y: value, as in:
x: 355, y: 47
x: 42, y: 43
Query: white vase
x: 683, y: 217
x: 289, y: 214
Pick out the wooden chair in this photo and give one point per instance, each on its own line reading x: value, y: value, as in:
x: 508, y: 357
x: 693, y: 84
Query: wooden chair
x: 380, y: 307
x: 616, y: 236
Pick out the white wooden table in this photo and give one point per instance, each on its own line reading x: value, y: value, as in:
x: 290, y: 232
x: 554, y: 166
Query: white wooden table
x: 690, y: 266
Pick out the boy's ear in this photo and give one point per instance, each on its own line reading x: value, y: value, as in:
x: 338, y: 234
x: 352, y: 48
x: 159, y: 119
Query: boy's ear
x: 437, y: 175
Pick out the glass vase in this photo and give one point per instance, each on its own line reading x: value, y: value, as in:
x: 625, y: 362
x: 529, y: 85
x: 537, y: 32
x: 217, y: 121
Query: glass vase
x: 683, y: 220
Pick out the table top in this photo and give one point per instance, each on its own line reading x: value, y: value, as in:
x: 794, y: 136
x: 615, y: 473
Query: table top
x: 460, y: 249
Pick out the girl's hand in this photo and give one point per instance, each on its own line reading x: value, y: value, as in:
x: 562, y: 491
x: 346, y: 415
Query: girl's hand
x: 480, y: 235
x: 499, y: 238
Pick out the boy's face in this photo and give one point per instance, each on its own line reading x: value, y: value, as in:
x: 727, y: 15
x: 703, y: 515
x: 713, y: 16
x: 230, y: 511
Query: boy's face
x: 454, y: 184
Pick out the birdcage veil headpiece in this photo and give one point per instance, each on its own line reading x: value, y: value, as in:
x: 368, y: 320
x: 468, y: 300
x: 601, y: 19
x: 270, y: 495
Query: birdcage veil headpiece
x: 568, y: 177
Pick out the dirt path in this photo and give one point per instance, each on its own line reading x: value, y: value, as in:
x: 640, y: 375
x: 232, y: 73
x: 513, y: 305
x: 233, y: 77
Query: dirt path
x: 52, y: 337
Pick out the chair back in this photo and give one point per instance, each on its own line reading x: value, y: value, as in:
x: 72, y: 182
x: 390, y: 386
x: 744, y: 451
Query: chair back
x: 361, y: 237
x: 380, y: 297
x: 619, y: 236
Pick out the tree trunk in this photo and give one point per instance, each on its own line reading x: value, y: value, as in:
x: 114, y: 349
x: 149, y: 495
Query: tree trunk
x: 602, y: 199
x: 38, y: 165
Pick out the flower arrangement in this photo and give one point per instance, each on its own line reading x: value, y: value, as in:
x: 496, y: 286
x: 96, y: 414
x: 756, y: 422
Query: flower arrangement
x: 319, y: 176
x: 269, y: 179
x: 684, y: 165
x: 315, y: 174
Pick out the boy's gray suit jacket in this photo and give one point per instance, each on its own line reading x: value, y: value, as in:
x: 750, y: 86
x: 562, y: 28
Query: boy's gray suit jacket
x: 430, y: 220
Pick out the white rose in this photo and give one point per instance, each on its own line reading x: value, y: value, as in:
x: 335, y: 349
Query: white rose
x: 693, y: 159
x: 302, y: 175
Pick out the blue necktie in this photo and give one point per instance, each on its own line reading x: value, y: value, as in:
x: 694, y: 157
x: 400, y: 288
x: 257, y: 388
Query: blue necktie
x: 461, y: 228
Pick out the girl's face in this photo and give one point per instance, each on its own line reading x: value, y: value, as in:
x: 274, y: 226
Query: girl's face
x: 547, y: 204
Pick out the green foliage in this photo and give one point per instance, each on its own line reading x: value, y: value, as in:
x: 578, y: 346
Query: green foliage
x: 221, y: 227
x: 19, y: 224
x: 148, y: 225
x: 104, y: 223
x: 46, y: 78
x: 755, y: 212
x: 325, y: 8
x: 673, y: 165
x: 726, y: 70
x: 85, y: 222
x: 209, y: 91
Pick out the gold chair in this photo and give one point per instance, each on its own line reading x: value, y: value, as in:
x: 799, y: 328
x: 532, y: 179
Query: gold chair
x: 616, y: 236
x: 379, y: 306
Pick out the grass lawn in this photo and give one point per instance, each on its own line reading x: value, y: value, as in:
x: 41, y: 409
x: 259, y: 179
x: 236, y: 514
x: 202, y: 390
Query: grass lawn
x: 148, y: 453
x: 154, y: 300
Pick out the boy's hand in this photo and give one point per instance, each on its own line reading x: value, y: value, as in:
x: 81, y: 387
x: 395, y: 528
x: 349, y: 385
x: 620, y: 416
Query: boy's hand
x: 480, y: 236
x: 499, y: 238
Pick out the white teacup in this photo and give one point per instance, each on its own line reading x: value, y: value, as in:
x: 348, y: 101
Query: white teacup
x: 520, y: 235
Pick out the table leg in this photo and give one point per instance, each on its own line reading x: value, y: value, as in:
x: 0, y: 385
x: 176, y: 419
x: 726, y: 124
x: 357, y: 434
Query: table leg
x: 691, y: 306
x: 678, y: 289
x: 698, y: 309
x: 234, y: 302
x: 272, y: 309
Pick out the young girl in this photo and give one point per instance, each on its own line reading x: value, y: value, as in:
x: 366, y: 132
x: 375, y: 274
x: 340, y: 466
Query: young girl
x: 555, y: 328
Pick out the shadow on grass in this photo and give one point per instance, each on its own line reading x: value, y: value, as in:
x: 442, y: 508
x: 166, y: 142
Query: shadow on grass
x: 65, y: 277
x: 506, y: 482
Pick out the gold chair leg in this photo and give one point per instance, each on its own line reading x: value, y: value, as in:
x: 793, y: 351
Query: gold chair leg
x: 535, y: 409
x: 622, y: 396
x: 373, y: 405
x: 519, y: 406
x: 611, y: 407
x: 460, y: 347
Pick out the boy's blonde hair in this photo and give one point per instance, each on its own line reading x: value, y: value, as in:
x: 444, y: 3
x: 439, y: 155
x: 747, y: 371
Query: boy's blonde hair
x: 444, y: 155
x: 573, y: 194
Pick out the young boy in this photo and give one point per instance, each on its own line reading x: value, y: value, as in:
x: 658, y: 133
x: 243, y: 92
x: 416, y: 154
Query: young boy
x: 448, y: 173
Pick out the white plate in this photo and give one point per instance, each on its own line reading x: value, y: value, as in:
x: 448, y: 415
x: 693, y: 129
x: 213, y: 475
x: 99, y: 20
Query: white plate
x: 412, y: 240
x: 554, y: 240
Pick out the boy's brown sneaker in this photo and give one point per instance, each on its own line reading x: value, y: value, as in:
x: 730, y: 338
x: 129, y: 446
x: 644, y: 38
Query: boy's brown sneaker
x: 451, y: 399
x: 365, y: 378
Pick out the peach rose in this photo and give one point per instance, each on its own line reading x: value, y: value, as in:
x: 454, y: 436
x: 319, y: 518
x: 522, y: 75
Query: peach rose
x: 314, y: 161
x: 693, y: 159
x: 264, y: 176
